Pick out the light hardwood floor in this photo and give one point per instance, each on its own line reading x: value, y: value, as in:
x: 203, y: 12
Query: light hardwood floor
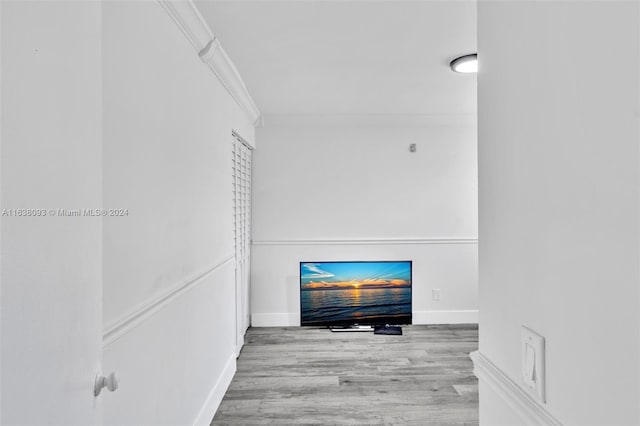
x: 299, y: 375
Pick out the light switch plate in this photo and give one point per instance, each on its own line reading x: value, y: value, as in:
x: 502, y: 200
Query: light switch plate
x: 533, y: 363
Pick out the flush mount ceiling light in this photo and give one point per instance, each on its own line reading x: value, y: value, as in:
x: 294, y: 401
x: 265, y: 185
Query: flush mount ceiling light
x: 465, y: 64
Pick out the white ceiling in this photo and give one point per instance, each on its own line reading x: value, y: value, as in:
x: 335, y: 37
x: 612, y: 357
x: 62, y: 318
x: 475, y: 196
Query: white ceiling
x: 349, y: 57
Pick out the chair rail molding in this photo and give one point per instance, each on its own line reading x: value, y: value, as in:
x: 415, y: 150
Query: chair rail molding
x: 188, y: 18
x: 365, y: 241
x: 140, y: 314
x: 529, y: 410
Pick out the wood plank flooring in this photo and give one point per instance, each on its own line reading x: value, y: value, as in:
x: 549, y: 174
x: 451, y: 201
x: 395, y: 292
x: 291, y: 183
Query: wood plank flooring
x: 309, y: 376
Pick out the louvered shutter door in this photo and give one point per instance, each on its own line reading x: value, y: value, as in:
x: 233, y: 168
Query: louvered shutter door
x: 241, y: 170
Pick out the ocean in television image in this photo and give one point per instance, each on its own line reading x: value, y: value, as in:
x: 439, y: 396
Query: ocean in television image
x: 349, y: 293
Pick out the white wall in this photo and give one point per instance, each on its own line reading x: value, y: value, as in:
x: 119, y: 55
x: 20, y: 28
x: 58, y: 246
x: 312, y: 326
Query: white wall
x: 50, y: 265
x: 559, y: 216
x: 347, y: 188
x: 107, y: 104
x: 169, y: 298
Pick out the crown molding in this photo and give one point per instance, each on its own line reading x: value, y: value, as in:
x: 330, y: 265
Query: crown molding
x: 527, y: 408
x: 187, y: 17
x: 370, y: 120
x: 215, y: 56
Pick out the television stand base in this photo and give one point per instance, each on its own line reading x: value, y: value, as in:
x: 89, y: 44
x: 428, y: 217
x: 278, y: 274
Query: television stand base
x: 341, y: 328
x: 388, y: 329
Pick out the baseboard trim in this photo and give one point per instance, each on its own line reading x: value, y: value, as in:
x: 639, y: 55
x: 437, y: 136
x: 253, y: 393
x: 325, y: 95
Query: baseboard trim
x: 150, y: 307
x: 284, y: 319
x: 365, y: 241
x: 446, y: 317
x: 214, y: 399
x: 523, y: 404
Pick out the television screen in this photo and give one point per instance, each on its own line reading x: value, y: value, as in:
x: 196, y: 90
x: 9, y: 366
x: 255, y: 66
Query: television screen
x: 355, y: 293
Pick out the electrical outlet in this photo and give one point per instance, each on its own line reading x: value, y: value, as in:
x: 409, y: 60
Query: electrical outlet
x: 435, y: 294
x: 533, y: 363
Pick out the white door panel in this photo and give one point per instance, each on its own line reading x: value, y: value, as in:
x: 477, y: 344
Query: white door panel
x: 51, y: 252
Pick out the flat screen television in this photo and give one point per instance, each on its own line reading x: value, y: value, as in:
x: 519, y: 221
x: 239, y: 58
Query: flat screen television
x: 355, y: 293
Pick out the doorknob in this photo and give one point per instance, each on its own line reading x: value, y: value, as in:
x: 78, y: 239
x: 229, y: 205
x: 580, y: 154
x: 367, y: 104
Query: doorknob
x: 110, y: 382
